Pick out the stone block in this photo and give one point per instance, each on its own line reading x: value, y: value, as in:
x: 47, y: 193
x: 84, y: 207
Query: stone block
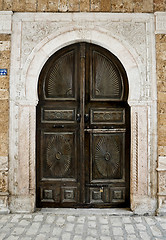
x: 19, y: 5
x: 161, y: 130
x: 53, y: 5
x: 105, y: 5
x: 3, y: 163
x: 162, y: 162
x: 4, y: 82
x: 74, y: 6
x: 4, y: 146
x: 160, y: 22
x: 160, y: 74
x: 162, y: 150
x: 160, y: 38
x: 4, y: 94
x: 63, y: 6
x: 84, y: 5
x: 3, y: 181
x: 5, y: 20
x: 161, y: 139
x: 137, y: 5
x: 4, y: 45
x: 162, y: 119
x: 42, y: 6
x: 4, y: 113
x: 161, y: 85
x: 147, y: 6
x: 162, y: 182
x: 5, y: 59
x: 8, y: 5
x: 30, y: 6
x: 128, y: 6
x: 117, y: 5
x: 4, y: 204
x: 21, y: 203
x: 162, y: 46
x: 95, y: 6
x: 5, y: 37
x: 161, y: 135
x: 162, y: 97
x: 159, y: 5
x: 1, y: 5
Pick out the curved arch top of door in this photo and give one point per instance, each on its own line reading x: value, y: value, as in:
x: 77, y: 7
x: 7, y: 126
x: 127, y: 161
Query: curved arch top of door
x: 83, y: 130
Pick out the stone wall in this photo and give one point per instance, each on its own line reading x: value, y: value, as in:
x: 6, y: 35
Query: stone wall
x: 161, y: 86
x: 161, y: 89
x: 142, y: 6
x: 4, y: 116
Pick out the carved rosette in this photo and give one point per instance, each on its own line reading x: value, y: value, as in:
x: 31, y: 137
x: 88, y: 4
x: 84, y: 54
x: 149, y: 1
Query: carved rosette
x: 58, y: 156
x: 107, y: 157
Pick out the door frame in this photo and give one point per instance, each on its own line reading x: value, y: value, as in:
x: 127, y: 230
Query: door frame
x: 23, y: 98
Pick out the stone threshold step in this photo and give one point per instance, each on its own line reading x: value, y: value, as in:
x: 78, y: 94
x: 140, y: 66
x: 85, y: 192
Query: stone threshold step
x: 89, y: 211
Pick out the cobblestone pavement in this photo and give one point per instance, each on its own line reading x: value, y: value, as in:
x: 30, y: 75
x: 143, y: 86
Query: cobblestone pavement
x: 80, y: 226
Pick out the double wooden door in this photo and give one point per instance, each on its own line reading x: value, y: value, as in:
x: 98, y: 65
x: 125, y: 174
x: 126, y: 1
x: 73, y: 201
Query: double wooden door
x: 83, y: 130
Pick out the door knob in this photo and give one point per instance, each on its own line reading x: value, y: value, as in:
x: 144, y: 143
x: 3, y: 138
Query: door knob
x: 86, y: 118
x: 78, y: 117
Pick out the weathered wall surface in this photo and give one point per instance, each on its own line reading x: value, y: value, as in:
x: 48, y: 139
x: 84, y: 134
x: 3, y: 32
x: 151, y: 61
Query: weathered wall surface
x: 83, y: 5
x: 161, y: 86
x: 4, y: 115
x: 161, y: 89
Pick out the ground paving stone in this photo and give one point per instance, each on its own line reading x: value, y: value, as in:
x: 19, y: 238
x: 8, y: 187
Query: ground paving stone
x: 57, y: 226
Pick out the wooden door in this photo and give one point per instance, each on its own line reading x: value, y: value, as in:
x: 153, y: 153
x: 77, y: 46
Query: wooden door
x: 83, y: 130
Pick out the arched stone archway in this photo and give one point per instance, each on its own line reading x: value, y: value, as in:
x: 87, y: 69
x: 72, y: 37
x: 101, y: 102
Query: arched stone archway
x: 126, y: 54
x: 25, y: 70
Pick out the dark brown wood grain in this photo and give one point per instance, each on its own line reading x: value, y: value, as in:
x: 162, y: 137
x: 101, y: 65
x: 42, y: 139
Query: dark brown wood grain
x: 83, y: 130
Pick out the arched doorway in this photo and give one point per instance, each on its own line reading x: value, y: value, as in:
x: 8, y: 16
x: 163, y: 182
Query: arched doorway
x: 83, y: 130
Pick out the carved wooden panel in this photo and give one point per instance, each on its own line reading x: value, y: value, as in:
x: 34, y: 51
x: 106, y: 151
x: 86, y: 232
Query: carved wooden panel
x: 59, y: 81
x: 68, y: 194
x: 47, y: 195
x: 107, y: 157
x: 106, y: 79
x: 118, y: 195
x: 114, y: 195
x: 58, y: 115
x: 96, y: 196
x: 58, y: 155
x: 108, y: 116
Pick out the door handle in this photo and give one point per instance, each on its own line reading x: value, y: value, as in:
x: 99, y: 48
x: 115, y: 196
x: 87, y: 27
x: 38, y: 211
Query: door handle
x: 78, y: 117
x: 86, y: 118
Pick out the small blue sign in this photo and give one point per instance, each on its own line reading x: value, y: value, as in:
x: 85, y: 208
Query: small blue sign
x: 3, y: 72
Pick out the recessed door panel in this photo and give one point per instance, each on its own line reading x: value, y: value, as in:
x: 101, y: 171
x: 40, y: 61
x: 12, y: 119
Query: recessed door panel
x: 106, y: 79
x: 107, y: 157
x: 107, y: 116
x: 58, y: 155
x: 60, y: 80
x: 58, y: 115
x: 83, y: 130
